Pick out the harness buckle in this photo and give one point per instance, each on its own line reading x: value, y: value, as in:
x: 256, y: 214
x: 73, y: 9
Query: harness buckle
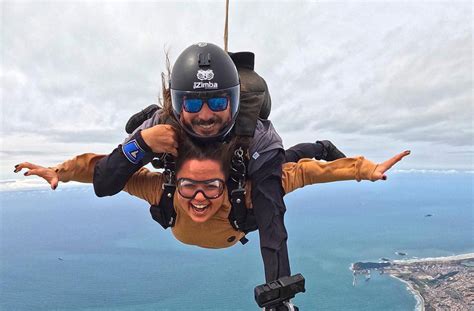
x: 237, y: 194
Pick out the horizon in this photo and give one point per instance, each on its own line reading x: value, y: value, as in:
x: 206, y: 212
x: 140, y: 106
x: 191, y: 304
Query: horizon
x: 23, y: 183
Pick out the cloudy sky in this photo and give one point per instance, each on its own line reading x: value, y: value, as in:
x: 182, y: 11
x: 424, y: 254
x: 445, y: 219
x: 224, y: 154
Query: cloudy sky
x: 374, y: 77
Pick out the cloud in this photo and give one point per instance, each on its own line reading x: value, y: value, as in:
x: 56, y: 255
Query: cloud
x: 416, y: 86
x: 388, y: 72
x: 446, y: 172
x: 34, y: 184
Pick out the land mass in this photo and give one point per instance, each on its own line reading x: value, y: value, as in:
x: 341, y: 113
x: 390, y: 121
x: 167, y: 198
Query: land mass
x: 442, y: 283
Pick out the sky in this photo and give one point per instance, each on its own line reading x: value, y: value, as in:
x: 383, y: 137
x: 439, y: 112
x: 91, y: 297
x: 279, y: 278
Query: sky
x: 375, y: 77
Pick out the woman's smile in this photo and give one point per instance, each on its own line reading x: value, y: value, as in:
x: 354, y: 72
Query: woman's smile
x: 200, y: 208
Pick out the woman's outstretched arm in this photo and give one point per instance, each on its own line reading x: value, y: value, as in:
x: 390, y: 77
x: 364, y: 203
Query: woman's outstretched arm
x: 307, y: 172
x: 143, y: 184
x: 80, y: 168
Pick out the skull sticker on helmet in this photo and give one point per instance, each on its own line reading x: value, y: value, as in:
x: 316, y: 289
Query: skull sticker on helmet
x: 205, y: 74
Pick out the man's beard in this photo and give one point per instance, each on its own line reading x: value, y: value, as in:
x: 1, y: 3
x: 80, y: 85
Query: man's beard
x: 214, y: 120
x: 208, y: 127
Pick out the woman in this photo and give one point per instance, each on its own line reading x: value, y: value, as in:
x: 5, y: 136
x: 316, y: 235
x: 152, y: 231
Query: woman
x: 201, y: 202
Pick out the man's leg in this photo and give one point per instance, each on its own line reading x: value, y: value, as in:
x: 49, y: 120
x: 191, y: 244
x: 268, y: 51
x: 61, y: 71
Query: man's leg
x: 276, y: 262
x: 320, y: 150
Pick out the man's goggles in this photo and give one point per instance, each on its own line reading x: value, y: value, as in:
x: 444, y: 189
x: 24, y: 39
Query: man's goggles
x: 232, y: 104
x: 192, y: 101
x: 216, y: 104
x: 211, y: 188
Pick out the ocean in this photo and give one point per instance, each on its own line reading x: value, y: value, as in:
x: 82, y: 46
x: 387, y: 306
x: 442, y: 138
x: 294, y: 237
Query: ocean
x: 69, y: 250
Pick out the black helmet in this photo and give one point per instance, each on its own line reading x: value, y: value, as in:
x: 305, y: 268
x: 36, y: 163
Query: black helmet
x: 204, y: 70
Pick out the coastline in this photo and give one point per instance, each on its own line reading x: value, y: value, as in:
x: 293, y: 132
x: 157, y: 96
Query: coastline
x: 446, y: 260
x: 420, y: 301
x: 431, y: 280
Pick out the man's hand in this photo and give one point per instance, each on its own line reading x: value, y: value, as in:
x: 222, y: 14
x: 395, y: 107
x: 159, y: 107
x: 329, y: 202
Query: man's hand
x: 381, y: 168
x: 46, y: 173
x: 161, y: 138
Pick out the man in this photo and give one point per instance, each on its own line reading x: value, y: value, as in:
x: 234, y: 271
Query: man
x: 205, y: 95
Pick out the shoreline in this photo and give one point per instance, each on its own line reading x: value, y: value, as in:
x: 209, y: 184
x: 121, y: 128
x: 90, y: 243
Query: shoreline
x: 420, y: 301
x: 411, y: 264
x: 438, y: 260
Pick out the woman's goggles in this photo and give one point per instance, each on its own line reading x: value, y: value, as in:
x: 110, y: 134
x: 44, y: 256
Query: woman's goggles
x: 211, y: 188
x: 216, y: 104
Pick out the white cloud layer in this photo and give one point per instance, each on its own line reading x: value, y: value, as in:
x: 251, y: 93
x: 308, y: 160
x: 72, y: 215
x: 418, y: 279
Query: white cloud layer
x: 374, y: 77
x: 33, y: 184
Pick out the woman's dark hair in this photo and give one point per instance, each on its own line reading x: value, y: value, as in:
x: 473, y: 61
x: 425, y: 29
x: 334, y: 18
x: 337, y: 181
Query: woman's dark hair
x: 165, y: 99
x: 191, y: 149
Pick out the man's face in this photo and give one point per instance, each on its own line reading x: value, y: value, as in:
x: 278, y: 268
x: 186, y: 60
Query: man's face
x: 206, y: 122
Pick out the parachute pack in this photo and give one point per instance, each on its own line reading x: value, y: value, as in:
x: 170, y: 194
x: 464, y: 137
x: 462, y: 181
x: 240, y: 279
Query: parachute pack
x: 255, y: 100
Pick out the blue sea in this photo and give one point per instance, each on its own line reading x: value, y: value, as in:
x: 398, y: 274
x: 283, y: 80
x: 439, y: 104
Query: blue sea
x: 69, y: 250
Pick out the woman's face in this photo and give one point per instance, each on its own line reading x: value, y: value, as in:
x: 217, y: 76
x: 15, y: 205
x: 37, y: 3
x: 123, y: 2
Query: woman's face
x: 200, y: 208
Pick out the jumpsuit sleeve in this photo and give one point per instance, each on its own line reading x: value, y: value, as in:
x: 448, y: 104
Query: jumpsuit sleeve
x: 146, y: 185
x: 308, y: 172
x: 143, y: 184
x: 112, y: 172
x: 80, y: 168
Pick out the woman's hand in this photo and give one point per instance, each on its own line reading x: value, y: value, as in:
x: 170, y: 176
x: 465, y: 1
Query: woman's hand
x: 46, y: 173
x: 381, y: 168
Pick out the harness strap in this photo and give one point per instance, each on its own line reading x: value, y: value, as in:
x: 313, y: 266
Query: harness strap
x: 236, y: 189
x: 240, y: 217
x: 164, y: 213
x: 238, y: 209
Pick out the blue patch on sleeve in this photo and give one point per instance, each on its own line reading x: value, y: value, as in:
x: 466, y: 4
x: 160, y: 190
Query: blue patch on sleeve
x: 133, y: 152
